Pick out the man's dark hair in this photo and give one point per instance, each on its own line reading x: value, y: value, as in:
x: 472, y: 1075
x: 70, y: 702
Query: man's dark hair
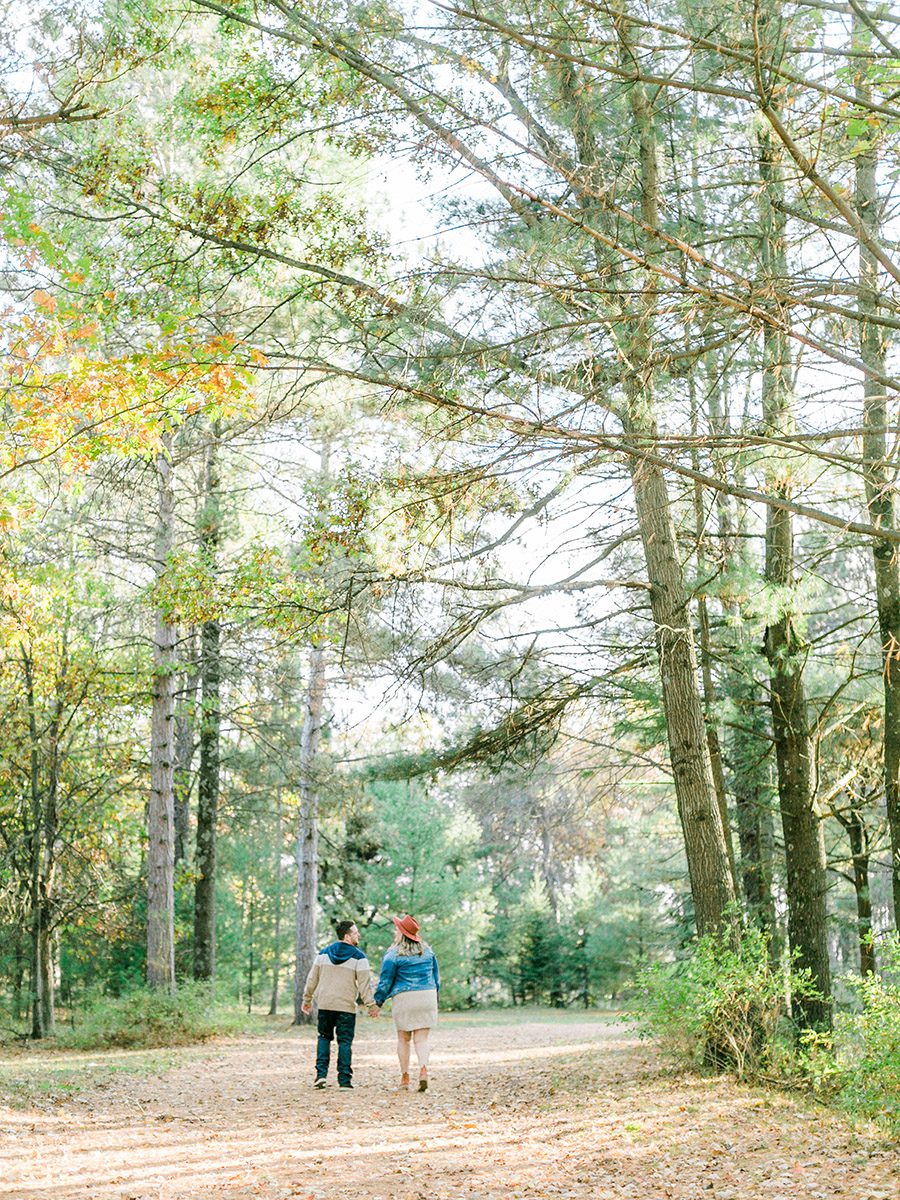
x: 343, y: 928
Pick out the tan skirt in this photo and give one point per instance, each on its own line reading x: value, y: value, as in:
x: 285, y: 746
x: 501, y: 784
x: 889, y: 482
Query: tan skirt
x: 415, y: 1010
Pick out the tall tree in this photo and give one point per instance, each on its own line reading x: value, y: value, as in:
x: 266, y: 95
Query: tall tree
x: 711, y: 875
x: 185, y: 704
x: 307, y: 899
x: 42, y: 838
x: 880, y: 476
x: 278, y: 854
x: 161, y: 807
x: 210, y: 733
x: 858, y: 836
x: 804, y: 843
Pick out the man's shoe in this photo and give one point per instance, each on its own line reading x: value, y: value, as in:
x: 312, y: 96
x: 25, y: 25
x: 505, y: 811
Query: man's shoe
x: 346, y: 1085
x: 321, y: 1082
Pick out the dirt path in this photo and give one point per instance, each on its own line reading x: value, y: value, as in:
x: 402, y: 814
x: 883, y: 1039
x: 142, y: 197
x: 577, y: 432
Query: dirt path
x: 535, y: 1108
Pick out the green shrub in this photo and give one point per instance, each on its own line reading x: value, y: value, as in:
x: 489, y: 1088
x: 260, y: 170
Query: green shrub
x: 725, y: 1006
x: 145, y: 1018
x: 868, y: 1042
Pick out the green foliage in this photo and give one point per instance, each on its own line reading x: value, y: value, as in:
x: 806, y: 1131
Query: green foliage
x: 527, y: 952
x: 641, y: 712
x: 585, y: 957
x: 145, y: 1018
x: 622, y: 934
x: 539, y: 958
x: 427, y: 866
x: 868, y: 1042
x: 723, y: 1006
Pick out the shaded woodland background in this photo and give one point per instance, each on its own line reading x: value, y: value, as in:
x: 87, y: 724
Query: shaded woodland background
x: 450, y: 466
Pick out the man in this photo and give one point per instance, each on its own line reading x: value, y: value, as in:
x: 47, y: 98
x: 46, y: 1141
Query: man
x: 339, y: 974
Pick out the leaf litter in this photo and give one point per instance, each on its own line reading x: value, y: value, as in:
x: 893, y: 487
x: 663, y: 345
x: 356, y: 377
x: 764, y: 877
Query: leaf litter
x: 530, y: 1108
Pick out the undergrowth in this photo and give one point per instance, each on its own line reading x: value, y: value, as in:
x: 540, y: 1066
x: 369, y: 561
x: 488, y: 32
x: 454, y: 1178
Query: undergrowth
x: 144, y: 1018
x: 867, y: 1042
x: 726, y: 1006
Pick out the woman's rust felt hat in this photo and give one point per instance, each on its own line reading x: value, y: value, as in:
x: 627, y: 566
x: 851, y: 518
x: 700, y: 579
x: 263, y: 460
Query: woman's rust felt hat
x: 408, y: 926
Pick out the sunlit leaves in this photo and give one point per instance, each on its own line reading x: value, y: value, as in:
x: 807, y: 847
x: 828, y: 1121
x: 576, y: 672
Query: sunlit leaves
x: 64, y: 398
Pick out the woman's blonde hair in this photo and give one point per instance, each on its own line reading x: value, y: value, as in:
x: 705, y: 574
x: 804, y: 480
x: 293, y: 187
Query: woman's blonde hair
x: 406, y: 947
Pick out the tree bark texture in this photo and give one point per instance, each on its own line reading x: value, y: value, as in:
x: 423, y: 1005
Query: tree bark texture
x: 276, y: 932
x: 210, y: 733
x: 880, y: 478
x: 308, y: 830
x: 47, y: 981
x: 750, y: 746
x: 161, y: 808
x: 184, y: 745
x: 706, y: 659
x: 42, y: 832
x: 698, y: 808
x: 712, y: 733
x: 859, y: 852
x: 748, y: 741
x: 804, y: 845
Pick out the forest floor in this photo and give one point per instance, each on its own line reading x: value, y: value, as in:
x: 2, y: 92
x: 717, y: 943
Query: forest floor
x: 520, y: 1107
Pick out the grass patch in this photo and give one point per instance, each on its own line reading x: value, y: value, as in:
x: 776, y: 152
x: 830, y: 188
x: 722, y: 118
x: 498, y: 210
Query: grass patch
x: 37, y: 1078
x: 527, y: 1014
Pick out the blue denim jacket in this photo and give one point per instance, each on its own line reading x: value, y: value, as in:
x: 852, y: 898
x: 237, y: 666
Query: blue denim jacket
x: 407, y: 973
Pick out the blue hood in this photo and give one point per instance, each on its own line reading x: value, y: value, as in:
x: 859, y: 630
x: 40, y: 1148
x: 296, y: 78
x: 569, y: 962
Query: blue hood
x: 339, y: 952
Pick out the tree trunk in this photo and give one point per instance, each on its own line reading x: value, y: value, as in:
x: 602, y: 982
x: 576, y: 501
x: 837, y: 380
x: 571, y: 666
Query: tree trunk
x: 184, y: 746
x: 207, y: 805
x: 47, y: 988
x: 276, y: 934
x: 308, y: 831
x: 712, y: 732
x: 701, y: 822
x: 210, y: 727
x: 804, y: 845
x: 879, y: 477
x: 748, y: 741
x: 251, y: 935
x: 750, y: 748
x: 19, y: 970
x: 42, y: 1009
x: 705, y: 648
x: 40, y: 822
x: 161, y: 808
x: 698, y: 809
x: 859, y: 850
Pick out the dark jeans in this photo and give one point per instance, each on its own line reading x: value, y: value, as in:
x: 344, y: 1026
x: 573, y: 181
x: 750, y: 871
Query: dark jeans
x: 344, y: 1025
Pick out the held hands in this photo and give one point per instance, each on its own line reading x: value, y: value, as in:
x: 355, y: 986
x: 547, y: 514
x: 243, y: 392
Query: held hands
x: 374, y: 1010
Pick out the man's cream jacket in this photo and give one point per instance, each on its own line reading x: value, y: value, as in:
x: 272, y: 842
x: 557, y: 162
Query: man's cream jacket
x: 339, y: 976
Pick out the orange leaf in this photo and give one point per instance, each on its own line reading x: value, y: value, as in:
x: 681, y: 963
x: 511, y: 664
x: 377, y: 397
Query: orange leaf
x: 45, y: 301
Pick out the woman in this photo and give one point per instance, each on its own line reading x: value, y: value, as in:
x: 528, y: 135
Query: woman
x: 409, y: 977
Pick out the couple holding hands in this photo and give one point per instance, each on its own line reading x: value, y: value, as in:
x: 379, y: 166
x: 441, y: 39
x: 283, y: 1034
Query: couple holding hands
x: 340, y: 977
